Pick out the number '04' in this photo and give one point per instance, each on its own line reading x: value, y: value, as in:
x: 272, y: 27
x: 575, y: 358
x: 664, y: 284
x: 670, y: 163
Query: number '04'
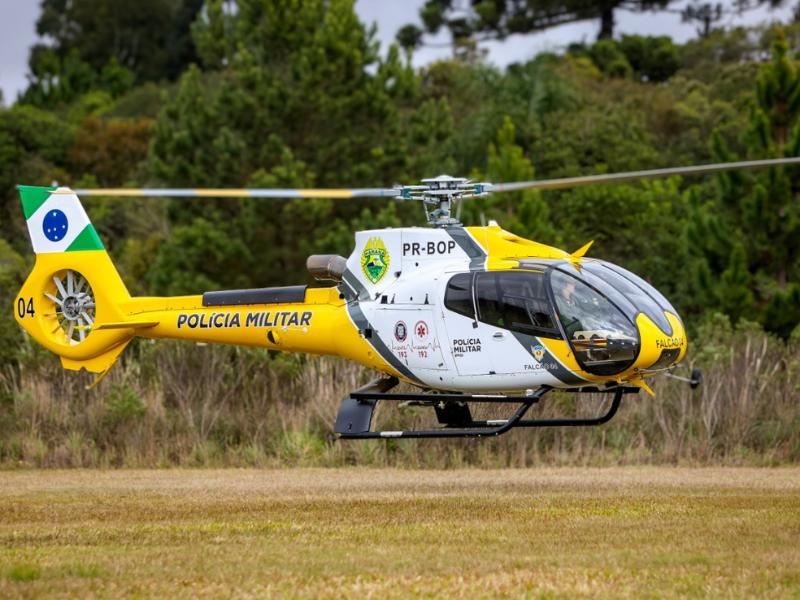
x: 25, y: 308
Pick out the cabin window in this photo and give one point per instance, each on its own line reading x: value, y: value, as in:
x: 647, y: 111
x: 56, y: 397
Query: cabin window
x: 458, y: 296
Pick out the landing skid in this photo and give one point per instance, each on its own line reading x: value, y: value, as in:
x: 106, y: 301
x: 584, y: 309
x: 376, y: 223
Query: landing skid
x: 354, y: 419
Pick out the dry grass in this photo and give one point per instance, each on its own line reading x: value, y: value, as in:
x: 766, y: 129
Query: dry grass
x: 172, y: 404
x: 636, y: 531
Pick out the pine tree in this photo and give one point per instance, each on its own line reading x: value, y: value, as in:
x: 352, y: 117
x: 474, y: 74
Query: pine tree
x: 295, y: 95
x: 748, y: 233
x: 525, y: 213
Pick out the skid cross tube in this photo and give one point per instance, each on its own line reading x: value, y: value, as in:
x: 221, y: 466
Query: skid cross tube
x: 355, y: 414
x: 576, y: 422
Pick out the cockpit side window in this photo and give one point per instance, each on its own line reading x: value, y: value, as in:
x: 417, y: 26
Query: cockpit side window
x: 604, y: 339
x: 516, y: 301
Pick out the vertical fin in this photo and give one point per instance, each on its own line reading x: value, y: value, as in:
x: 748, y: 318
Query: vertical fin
x: 57, y: 221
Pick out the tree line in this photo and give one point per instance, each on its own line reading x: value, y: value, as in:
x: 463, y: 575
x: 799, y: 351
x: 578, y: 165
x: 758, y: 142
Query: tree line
x: 281, y: 93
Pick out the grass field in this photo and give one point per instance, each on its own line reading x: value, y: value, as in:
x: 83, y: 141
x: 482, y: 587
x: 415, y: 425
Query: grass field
x: 640, y: 531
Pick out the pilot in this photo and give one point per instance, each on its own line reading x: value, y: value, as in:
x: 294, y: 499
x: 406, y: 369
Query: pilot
x: 568, y: 290
x: 569, y: 307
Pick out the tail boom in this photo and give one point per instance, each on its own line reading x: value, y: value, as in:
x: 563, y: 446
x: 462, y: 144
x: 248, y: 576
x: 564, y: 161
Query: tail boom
x: 303, y: 326
x: 319, y: 324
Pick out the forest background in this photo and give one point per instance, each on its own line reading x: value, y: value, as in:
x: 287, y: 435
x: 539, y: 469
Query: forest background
x: 283, y: 93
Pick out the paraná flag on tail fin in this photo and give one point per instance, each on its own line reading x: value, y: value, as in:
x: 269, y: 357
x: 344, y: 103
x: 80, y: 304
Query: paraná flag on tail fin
x: 56, y: 220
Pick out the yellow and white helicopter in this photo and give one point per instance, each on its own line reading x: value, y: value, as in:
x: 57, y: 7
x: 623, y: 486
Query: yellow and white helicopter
x: 467, y: 314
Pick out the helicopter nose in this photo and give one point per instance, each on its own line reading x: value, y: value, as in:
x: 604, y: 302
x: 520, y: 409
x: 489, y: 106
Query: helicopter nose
x: 660, y: 349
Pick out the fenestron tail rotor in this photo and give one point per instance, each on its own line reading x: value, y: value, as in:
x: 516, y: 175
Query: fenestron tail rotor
x: 72, y: 310
x: 439, y: 192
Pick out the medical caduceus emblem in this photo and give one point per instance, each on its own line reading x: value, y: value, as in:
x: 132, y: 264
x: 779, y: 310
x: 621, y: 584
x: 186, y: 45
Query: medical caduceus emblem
x: 375, y: 259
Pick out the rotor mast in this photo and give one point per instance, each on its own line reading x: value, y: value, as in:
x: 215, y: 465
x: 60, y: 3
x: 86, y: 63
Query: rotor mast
x: 441, y: 193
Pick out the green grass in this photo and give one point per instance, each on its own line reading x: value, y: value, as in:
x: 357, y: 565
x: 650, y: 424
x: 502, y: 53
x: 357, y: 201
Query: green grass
x: 641, y: 531
x: 23, y: 572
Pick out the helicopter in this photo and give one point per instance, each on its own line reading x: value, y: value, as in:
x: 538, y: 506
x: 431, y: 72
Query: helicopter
x: 464, y: 314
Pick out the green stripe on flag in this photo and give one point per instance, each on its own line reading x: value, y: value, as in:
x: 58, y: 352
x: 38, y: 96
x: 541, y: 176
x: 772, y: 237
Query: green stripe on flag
x: 86, y: 240
x: 33, y: 197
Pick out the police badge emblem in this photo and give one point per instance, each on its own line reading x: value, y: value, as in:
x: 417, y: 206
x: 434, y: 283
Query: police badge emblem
x: 375, y: 259
x: 538, y: 352
x: 400, y: 331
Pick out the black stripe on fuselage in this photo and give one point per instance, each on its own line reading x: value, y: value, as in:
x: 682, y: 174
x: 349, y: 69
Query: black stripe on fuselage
x: 362, y: 323
x: 477, y: 255
x: 555, y: 368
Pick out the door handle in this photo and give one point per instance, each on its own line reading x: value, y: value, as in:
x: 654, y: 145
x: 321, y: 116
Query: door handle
x: 498, y: 335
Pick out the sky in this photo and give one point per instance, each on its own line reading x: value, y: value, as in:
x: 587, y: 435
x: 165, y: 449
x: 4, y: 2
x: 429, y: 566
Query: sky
x: 18, y: 33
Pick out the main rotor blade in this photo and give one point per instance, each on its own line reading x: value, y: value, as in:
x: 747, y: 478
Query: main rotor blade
x: 570, y: 182
x: 241, y: 193
x: 407, y: 191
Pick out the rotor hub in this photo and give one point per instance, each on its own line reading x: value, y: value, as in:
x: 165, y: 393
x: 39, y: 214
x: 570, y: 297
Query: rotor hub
x: 441, y: 193
x: 72, y: 307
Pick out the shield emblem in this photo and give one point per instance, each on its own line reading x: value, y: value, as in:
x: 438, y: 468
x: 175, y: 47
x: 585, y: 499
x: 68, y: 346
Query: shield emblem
x: 538, y: 352
x: 375, y: 259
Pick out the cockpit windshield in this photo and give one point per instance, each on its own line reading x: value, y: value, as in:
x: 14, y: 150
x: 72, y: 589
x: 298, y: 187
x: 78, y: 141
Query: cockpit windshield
x: 641, y: 294
x: 603, y: 337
